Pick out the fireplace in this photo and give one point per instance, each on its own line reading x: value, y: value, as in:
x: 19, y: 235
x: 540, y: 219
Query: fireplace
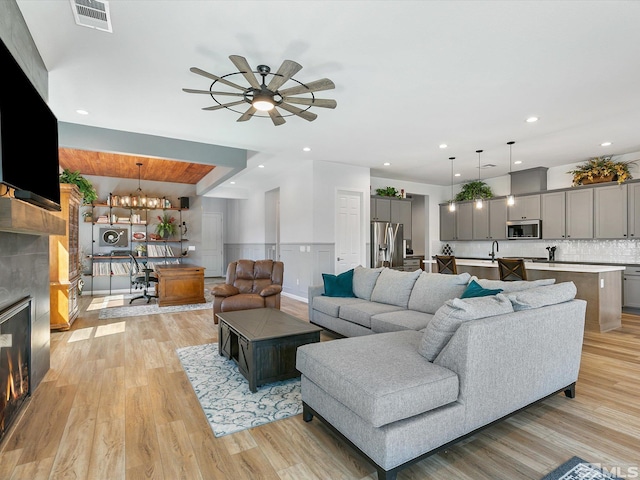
x: 15, y: 361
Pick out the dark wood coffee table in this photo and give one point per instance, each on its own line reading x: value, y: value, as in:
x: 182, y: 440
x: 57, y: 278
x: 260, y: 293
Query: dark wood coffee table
x: 263, y: 343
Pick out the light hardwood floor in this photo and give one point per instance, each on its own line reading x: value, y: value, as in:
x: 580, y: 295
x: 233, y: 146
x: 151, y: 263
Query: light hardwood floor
x: 116, y: 404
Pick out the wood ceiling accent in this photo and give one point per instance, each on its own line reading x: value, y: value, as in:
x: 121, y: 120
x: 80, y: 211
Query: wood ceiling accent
x: 124, y: 166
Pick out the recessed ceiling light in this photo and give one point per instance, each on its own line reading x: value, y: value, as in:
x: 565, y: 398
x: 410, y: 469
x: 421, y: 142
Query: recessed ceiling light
x: 260, y: 166
x: 457, y: 175
x: 386, y: 164
x: 517, y: 162
x: 443, y: 145
x: 306, y: 149
x: 82, y: 112
x: 532, y: 119
x: 605, y: 144
x: 232, y: 183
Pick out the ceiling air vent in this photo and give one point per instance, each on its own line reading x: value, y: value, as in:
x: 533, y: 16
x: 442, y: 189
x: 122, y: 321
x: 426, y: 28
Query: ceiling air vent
x: 92, y: 14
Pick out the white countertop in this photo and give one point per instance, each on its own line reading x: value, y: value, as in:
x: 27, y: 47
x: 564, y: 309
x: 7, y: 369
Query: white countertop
x: 560, y: 267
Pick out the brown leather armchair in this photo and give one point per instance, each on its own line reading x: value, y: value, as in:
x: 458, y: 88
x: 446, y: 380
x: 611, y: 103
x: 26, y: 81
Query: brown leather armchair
x: 249, y: 284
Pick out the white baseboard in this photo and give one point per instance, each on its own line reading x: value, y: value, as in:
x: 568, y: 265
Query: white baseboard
x: 295, y: 297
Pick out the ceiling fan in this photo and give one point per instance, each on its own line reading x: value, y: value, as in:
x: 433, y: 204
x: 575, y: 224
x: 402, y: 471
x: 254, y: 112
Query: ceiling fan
x: 263, y: 97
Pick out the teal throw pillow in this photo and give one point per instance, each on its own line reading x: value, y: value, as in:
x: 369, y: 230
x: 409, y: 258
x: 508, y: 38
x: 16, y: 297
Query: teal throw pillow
x: 475, y: 290
x: 338, y: 285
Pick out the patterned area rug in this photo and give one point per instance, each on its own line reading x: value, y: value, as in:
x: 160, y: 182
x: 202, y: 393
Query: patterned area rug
x: 117, y: 306
x: 579, y: 469
x: 225, y: 396
x: 150, y: 309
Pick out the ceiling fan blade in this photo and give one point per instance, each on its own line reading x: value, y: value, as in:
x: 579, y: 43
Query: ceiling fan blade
x: 216, y: 78
x: 287, y: 70
x: 314, y: 102
x: 317, y: 86
x: 276, y: 118
x: 247, y: 115
x: 225, y: 105
x: 243, y: 66
x: 309, y: 116
x: 233, y: 94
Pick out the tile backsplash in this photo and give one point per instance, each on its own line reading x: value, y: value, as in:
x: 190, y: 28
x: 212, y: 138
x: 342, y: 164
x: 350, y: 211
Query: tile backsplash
x: 608, y: 251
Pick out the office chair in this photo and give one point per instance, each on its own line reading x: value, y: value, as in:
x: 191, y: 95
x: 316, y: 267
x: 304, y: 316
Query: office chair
x: 446, y: 264
x: 512, y: 269
x: 141, y: 278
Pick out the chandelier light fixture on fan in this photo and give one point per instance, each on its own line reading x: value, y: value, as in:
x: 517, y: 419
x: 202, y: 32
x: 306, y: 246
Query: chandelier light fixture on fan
x: 263, y: 97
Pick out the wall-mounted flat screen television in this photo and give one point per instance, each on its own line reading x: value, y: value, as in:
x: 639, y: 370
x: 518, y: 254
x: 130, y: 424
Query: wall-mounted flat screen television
x: 28, y: 138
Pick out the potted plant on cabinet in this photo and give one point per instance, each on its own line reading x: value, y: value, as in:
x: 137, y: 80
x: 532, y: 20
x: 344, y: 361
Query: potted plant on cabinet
x: 474, y: 190
x: 388, y: 192
x: 89, y: 193
x: 601, y: 169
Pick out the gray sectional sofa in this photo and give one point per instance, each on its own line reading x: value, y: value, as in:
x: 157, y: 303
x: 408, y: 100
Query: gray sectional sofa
x: 413, y: 378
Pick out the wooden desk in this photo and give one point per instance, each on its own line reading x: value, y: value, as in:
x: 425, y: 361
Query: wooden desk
x: 180, y: 284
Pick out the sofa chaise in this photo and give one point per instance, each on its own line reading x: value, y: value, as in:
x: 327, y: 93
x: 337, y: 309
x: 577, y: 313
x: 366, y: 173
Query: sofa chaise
x: 408, y: 392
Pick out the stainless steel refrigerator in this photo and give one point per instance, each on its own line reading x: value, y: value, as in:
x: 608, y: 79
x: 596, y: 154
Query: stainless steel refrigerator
x: 387, y: 245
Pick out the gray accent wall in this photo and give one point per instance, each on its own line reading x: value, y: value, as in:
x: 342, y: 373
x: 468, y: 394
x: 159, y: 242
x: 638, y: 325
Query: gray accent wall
x: 304, y: 265
x: 24, y: 263
x: 24, y: 259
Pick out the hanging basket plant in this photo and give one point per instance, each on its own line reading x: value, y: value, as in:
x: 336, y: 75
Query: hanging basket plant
x: 601, y: 169
x: 474, y: 190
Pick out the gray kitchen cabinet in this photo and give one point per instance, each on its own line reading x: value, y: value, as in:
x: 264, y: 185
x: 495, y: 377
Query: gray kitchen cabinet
x: 567, y: 214
x: 480, y: 224
x: 579, y: 214
x: 380, y: 209
x: 447, y: 224
x: 631, y: 287
x: 610, y: 211
x: 401, y: 213
x: 489, y: 222
x: 553, y: 212
x: 526, y: 208
x: 464, y: 221
x: 498, y: 219
x: 633, y: 210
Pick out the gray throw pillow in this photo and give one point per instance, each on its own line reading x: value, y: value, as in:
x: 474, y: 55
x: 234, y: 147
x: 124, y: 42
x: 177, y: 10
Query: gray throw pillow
x: 364, y: 279
x: 454, y: 313
x: 433, y: 289
x: 542, y: 296
x: 393, y: 287
x: 508, y: 287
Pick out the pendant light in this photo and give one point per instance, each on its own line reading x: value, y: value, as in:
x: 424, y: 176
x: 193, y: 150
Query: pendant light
x: 138, y: 199
x: 452, y: 203
x: 479, y: 198
x: 511, y: 200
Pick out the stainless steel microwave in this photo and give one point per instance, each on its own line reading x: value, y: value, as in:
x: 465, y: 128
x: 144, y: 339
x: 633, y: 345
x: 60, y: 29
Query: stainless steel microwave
x: 524, y: 229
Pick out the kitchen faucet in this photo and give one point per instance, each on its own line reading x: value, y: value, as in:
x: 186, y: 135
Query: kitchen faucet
x: 492, y: 254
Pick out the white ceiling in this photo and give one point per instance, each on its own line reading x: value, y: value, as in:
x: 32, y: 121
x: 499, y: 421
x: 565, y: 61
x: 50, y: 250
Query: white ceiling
x: 409, y: 75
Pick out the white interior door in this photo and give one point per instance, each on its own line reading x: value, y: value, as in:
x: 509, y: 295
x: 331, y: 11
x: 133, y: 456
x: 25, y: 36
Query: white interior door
x: 212, y: 244
x: 349, y: 243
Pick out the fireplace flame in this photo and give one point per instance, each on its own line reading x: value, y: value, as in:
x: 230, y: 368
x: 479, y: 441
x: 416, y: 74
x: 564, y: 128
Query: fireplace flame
x: 12, y: 391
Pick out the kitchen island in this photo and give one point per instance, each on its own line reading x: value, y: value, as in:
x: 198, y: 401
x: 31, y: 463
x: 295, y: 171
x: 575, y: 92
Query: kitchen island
x: 599, y: 285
